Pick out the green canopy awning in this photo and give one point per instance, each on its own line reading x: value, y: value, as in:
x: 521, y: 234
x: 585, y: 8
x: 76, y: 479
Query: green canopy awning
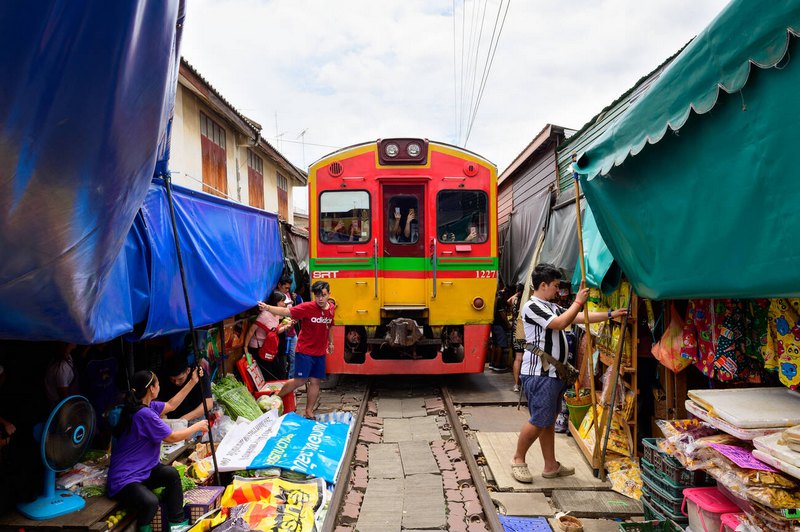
x: 710, y: 210
x: 601, y: 270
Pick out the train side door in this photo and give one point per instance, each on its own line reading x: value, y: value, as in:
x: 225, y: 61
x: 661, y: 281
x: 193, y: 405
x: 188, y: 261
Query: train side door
x: 403, y: 262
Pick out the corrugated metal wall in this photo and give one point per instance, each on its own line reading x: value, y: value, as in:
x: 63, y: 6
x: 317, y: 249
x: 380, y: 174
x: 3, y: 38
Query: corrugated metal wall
x: 504, y: 202
x: 537, y: 176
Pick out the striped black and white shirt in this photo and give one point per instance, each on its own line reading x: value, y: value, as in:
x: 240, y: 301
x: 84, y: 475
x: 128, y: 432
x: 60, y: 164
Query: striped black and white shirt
x: 536, y: 316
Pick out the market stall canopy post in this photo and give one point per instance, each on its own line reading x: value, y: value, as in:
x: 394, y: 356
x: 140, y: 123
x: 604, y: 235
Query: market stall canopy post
x: 709, y: 212
x: 601, y: 270
x: 86, y: 96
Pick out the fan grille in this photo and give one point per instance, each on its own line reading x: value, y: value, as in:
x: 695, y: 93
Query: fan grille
x: 68, y: 433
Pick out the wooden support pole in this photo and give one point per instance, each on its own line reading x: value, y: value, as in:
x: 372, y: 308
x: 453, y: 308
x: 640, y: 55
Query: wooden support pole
x: 589, y: 346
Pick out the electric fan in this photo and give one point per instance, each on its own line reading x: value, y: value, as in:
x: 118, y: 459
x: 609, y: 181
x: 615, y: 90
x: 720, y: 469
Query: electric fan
x: 64, y: 438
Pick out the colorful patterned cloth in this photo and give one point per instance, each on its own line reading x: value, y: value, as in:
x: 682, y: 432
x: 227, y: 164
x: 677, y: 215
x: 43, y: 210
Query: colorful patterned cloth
x: 781, y: 350
x: 723, y: 337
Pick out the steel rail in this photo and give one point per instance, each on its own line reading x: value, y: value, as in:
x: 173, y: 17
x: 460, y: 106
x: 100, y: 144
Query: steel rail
x: 343, y: 482
x: 492, y: 520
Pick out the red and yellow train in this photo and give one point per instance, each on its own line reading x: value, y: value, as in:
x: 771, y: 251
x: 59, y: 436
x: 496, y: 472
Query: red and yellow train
x: 405, y: 232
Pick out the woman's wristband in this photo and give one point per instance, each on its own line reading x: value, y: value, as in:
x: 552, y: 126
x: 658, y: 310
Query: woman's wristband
x: 579, y: 303
x: 609, y: 313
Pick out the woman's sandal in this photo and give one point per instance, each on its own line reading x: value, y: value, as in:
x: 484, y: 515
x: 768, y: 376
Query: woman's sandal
x: 521, y: 473
x: 562, y: 471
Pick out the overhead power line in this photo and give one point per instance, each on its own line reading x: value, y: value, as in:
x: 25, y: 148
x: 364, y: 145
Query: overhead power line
x: 467, y: 91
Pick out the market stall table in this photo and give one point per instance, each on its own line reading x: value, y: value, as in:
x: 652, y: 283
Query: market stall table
x: 91, y: 517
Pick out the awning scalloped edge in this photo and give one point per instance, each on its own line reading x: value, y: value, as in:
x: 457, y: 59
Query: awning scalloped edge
x: 699, y: 105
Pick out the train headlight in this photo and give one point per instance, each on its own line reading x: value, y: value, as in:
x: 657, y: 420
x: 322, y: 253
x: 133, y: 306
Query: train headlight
x: 392, y: 150
x: 413, y: 149
x: 478, y: 303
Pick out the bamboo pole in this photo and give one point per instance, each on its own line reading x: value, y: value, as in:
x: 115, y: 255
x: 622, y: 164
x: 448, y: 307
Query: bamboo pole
x: 589, y: 346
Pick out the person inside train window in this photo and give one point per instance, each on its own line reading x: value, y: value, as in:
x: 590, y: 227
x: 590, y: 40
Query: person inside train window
x: 344, y: 216
x: 403, y: 225
x: 462, y: 215
x: 358, y: 230
x: 338, y: 232
x: 472, y: 232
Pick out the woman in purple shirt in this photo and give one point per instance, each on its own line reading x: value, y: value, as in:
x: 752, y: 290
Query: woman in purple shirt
x: 136, y: 468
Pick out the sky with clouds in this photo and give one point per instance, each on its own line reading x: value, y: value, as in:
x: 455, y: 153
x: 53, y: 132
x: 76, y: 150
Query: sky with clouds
x: 348, y: 71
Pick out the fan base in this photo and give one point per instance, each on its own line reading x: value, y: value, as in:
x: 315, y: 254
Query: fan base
x: 61, y: 503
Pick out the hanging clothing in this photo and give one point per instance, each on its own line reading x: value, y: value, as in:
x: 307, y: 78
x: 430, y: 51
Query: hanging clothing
x: 782, y: 346
x: 716, y: 338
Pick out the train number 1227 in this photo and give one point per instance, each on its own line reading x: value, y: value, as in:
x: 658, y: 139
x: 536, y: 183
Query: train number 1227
x: 486, y: 274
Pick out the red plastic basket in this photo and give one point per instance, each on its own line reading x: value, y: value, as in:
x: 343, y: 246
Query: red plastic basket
x: 289, y: 402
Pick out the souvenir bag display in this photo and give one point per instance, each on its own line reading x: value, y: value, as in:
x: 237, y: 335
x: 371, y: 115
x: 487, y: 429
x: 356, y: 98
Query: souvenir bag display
x: 670, y: 349
x: 268, y: 348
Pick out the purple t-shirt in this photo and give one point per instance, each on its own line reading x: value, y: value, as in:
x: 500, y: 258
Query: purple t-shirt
x: 136, y: 452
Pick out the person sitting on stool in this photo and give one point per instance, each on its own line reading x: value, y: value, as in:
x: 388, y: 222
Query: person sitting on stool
x: 136, y: 467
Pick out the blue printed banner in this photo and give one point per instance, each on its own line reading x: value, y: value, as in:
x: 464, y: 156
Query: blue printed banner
x: 305, y: 446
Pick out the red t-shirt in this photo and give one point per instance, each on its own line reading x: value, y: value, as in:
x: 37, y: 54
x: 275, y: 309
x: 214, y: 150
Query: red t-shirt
x: 314, y: 326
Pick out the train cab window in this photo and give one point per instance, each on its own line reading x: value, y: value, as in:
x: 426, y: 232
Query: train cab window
x: 462, y: 216
x: 344, y: 216
x: 403, y: 217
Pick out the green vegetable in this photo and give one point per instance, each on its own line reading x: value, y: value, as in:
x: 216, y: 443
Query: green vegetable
x: 187, y: 483
x: 92, y: 491
x: 235, y: 398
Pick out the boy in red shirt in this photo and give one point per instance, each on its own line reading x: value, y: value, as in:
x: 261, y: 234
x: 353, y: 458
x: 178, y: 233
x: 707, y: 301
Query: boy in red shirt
x: 313, y: 343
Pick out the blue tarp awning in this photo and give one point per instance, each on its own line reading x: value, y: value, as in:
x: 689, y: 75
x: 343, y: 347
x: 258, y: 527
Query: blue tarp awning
x: 231, y: 254
x: 86, y: 253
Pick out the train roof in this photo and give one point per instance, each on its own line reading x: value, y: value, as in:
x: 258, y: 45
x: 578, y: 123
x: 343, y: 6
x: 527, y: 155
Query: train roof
x: 438, y: 143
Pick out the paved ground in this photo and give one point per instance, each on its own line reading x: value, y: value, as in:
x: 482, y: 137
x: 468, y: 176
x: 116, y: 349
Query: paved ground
x: 405, y: 491
x: 489, y: 408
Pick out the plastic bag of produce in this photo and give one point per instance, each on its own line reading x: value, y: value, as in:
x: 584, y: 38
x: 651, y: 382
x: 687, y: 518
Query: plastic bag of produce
x: 270, y: 402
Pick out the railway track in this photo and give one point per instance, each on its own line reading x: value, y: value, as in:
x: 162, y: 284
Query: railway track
x: 409, y: 465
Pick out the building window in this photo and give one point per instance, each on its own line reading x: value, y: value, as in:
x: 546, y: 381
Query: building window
x: 462, y: 216
x: 255, y: 180
x: 344, y: 216
x: 283, y: 197
x: 215, y: 170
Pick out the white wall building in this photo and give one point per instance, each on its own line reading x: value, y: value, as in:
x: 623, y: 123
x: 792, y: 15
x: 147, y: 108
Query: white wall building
x: 217, y: 149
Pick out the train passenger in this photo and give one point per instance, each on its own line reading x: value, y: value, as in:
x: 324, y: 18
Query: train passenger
x: 472, y: 233
x: 409, y: 232
x: 337, y: 232
x: 544, y: 323
x: 314, y: 342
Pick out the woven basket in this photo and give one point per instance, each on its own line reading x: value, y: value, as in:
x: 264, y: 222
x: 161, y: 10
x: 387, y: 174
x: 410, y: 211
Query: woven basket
x: 578, y: 401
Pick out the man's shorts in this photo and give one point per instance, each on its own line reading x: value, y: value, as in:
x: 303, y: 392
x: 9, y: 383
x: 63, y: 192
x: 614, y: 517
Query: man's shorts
x: 306, y: 366
x: 499, y: 336
x: 544, y: 398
